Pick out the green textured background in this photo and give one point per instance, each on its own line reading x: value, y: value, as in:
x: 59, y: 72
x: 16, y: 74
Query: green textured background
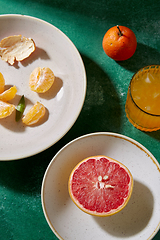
x: 85, y: 23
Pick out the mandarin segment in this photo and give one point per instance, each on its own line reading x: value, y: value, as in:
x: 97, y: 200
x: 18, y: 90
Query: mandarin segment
x: 8, y: 94
x: 41, y: 79
x: 34, y: 114
x: 6, y: 109
x: 2, y: 83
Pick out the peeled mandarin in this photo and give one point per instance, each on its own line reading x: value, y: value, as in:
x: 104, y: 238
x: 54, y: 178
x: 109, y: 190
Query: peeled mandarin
x: 6, y: 109
x: 34, y: 114
x: 2, y: 83
x: 41, y: 79
x: 8, y: 94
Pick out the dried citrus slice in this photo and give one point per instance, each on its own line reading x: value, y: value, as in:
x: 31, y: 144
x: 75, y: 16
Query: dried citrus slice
x: 2, y: 83
x: 9, y: 94
x: 100, y: 186
x: 34, y: 114
x: 6, y: 109
x: 16, y: 48
x: 41, y: 79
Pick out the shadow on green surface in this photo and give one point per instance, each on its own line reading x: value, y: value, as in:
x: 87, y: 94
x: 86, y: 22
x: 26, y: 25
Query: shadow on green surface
x: 119, y: 11
x: 101, y: 112
x: 24, y: 175
x: 102, y: 108
x: 143, y: 56
x: 154, y: 134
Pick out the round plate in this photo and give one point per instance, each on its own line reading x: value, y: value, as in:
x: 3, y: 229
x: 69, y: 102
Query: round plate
x: 140, y: 219
x: 63, y: 101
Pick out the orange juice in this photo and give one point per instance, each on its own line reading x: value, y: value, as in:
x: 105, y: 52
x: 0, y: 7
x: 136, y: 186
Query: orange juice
x: 143, y: 99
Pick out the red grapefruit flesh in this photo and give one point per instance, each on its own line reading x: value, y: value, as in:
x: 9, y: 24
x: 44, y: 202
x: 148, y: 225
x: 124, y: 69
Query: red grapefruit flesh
x: 100, y: 186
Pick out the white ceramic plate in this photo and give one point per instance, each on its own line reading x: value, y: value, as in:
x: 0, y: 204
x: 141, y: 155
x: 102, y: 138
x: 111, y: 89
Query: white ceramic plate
x: 63, y: 101
x: 140, y: 219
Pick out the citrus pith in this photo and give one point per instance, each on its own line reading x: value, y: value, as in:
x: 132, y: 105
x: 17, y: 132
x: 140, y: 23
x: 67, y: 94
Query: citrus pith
x: 100, y: 186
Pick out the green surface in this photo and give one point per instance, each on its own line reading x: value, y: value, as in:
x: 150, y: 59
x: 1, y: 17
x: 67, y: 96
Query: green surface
x: 85, y: 23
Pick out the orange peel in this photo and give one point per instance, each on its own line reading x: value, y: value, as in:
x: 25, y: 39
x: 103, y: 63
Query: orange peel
x: 16, y: 48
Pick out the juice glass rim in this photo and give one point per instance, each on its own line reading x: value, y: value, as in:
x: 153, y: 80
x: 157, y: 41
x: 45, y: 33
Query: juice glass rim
x: 152, y: 67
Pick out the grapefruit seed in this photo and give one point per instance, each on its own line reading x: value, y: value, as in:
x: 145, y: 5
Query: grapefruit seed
x: 100, y: 186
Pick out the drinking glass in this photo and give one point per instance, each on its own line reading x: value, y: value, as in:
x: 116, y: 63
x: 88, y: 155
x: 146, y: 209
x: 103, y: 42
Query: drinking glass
x: 143, y: 99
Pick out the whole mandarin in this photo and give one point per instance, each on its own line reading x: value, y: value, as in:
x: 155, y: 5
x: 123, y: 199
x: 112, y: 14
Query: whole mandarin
x: 119, y: 43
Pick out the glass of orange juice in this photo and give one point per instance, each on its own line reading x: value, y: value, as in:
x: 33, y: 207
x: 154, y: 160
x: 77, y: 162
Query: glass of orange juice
x: 143, y: 99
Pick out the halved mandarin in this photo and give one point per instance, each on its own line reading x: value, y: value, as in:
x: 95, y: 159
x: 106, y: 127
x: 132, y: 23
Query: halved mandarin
x: 34, y: 114
x: 6, y: 109
x: 2, y: 83
x: 41, y: 79
x: 9, y: 94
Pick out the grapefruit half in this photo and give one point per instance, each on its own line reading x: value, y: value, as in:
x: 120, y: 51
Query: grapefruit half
x: 100, y: 185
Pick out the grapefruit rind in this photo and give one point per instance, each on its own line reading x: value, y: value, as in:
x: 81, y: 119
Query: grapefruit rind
x: 95, y: 213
